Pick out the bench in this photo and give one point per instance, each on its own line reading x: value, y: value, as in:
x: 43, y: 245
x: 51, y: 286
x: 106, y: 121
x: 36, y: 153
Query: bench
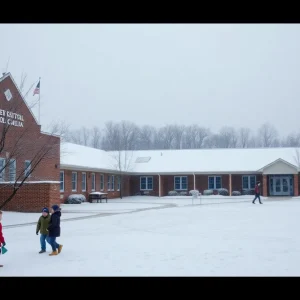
x: 98, y: 196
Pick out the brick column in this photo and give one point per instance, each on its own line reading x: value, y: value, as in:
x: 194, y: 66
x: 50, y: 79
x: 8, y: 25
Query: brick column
x: 265, y: 186
x: 296, y: 186
x: 230, y: 185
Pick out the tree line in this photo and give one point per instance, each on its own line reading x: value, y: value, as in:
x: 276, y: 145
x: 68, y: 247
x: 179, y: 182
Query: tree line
x: 126, y: 135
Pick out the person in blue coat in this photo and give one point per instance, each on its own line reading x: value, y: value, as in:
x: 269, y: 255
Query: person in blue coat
x: 54, y: 230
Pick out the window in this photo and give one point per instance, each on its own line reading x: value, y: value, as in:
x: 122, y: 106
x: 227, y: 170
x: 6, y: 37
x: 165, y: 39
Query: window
x: 8, y: 95
x: 110, y: 182
x: 214, y: 182
x: 112, y: 186
x: 27, y: 168
x: 2, y: 169
x: 83, y: 181
x: 249, y: 182
x: 62, y: 181
x: 74, y: 181
x: 93, y: 182
x: 146, y: 183
x: 180, y: 183
x: 119, y: 182
x: 12, y: 170
x: 101, y: 182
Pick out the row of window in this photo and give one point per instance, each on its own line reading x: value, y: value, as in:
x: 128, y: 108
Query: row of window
x: 181, y: 182
x: 110, y: 182
x: 146, y: 182
x: 11, y: 167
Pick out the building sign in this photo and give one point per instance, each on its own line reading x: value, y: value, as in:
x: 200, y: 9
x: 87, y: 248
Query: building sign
x: 11, y: 118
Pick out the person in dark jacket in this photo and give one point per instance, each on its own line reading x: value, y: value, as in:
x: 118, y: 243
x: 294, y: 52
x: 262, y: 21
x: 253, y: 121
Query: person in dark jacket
x: 42, y: 227
x: 54, y: 230
x: 257, y: 193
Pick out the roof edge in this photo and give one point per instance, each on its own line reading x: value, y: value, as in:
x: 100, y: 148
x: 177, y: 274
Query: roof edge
x: 277, y: 160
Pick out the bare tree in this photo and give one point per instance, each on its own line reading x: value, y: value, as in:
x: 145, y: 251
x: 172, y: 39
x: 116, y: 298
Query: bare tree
x: 96, y: 138
x: 195, y: 136
x: 122, y: 139
x: 292, y: 140
x: 228, y: 137
x: 112, y: 136
x: 178, y: 132
x: 213, y: 141
x: 268, y: 135
x: 166, y: 137
x: 122, y: 164
x: 244, y: 137
x: 45, y: 147
x: 146, y: 137
x: 297, y: 158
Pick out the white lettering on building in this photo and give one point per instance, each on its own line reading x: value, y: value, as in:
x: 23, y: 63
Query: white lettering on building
x: 11, y: 118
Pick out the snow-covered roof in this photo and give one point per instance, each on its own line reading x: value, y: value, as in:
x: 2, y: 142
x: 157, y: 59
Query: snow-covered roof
x: 176, y: 161
x: 73, y: 156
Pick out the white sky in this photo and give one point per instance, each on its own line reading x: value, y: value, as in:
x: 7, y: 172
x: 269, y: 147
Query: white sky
x: 213, y: 75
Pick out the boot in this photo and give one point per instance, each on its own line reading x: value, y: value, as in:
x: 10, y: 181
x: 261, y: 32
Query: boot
x: 53, y: 253
x: 1, y: 266
x: 59, y: 248
x: 42, y: 251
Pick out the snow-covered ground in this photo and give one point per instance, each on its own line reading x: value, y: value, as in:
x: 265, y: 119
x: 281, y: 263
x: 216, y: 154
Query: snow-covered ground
x: 229, y: 239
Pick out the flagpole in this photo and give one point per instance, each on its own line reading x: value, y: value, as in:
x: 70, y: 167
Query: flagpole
x: 40, y: 103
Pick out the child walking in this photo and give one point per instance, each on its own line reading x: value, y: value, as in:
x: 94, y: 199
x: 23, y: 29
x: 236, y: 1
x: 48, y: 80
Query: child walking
x: 54, y: 230
x: 42, y: 227
x: 2, y: 241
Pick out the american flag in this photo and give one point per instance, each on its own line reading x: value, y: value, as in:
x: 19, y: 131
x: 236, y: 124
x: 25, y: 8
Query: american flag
x: 37, y: 89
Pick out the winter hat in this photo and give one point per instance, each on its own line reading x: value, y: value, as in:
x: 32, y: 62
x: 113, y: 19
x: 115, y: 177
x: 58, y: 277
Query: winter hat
x: 55, y: 207
x: 45, y: 209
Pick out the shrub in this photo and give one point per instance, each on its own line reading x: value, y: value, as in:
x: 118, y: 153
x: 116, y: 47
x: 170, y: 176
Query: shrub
x: 172, y: 193
x: 183, y: 193
x: 194, y: 193
x: 75, y: 199
x: 223, y: 192
x: 208, y: 192
x: 236, y: 193
x: 248, y: 192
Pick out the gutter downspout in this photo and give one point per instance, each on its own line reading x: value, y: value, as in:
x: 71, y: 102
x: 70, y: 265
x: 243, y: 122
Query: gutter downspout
x: 159, y: 194
x: 194, y: 181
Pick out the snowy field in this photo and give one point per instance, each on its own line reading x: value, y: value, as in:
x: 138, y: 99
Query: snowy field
x: 226, y: 239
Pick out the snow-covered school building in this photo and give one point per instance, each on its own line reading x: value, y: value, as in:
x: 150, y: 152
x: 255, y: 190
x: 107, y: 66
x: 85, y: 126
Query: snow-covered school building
x: 157, y: 172
x: 76, y: 169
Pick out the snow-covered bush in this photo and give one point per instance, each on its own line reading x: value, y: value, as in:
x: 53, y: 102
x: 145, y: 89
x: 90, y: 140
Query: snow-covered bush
x: 247, y: 192
x: 183, y: 193
x: 194, y: 193
x: 75, y: 199
x: 208, y: 192
x: 223, y: 192
x: 172, y: 193
x: 236, y: 193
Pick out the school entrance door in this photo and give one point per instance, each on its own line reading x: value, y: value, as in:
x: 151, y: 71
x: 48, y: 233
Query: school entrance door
x: 281, y: 185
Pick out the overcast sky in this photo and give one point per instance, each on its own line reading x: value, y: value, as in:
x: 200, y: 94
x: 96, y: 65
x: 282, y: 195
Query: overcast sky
x: 213, y: 75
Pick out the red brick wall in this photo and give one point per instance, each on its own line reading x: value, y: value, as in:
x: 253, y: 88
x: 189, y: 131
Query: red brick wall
x: 31, y: 197
x: 134, y: 185
x: 111, y: 194
x: 237, y: 181
x: 25, y: 143
x: 202, y: 182
x: 296, y: 185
